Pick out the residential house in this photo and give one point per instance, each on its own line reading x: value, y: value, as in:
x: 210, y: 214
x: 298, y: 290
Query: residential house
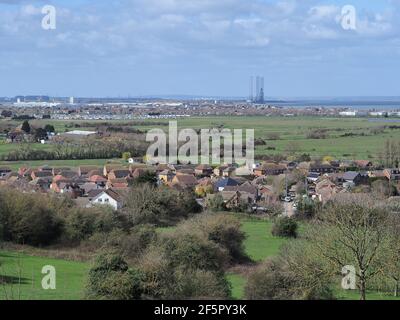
x: 203, y: 170
x: 245, y: 189
x: 322, y: 168
x: 313, y: 177
x: 270, y: 169
x: 108, y: 197
x: 221, y: 184
x: 4, y: 171
x: 117, y: 184
x: 392, y: 174
x: 99, y: 180
x: 235, y: 199
x: 353, y: 178
x: 166, y: 176
x: 110, y: 167
x: 326, y: 190
x: 35, y: 174
x: 85, y: 170
x: 41, y: 184
x: 119, y: 174
x: 185, y: 181
x: 364, y: 164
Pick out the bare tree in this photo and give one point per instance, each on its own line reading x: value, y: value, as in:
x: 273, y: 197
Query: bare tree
x: 351, y: 231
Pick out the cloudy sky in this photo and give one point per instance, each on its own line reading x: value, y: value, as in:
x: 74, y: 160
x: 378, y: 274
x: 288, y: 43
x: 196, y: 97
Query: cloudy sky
x: 199, y: 47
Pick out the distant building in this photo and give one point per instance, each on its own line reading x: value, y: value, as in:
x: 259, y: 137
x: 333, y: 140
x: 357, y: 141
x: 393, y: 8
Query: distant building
x: 79, y: 134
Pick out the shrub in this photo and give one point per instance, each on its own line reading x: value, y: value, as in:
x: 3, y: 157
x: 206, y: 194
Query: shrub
x: 28, y: 219
x: 222, y: 229
x: 158, y: 206
x: 285, y: 227
x: 111, y: 278
x: 297, y: 273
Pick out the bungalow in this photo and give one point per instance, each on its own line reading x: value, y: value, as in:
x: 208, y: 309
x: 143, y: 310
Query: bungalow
x: 354, y: 178
x: 234, y: 199
x: 225, y: 182
x: 41, y: 174
x: 322, y: 168
x: 110, y: 167
x: 363, y: 164
x: 120, y: 184
x: 203, y: 170
x: 65, y: 175
x: 326, y: 190
x: 184, y: 181
x: 246, y: 188
x: 85, y: 170
x: 99, y: 180
x: 377, y: 175
x: 313, y: 177
x: 392, y: 174
x: 119, y: 174
x: 108, y: 197
x: 270, y: 169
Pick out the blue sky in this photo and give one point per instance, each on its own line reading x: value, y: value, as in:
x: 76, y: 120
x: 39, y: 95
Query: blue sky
x: 199, y: 47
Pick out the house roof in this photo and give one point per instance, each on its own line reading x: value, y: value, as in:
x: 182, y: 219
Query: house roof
x: 97, y: 178
x: 119, y: 174
x: 111, y: 193
x: 350, y: 175
x: 222, y: 183
x: 185, y: 180
x: 87, y: 169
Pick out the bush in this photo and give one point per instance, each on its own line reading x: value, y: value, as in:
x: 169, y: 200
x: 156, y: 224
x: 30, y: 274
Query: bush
x: 285, y: 227
x: 111, y: 278
x: 158, y: 206
x: 169, y: 274
x: 81, y: 224
x: 28, y: 219
x: 222, y: 229
x: 296, y: 274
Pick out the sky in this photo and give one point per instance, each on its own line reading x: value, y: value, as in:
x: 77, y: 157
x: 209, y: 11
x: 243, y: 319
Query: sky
x: 113, y: 48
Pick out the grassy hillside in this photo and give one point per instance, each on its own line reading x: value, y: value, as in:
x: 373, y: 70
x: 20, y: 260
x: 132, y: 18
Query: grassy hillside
x: 20, y: 278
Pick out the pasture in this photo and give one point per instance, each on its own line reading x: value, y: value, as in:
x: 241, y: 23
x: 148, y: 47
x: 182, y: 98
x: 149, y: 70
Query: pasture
x: 21, y: 277
x: 345, y: 138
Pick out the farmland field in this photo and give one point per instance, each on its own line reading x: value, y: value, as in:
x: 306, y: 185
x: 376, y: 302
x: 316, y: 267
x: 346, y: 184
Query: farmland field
x: 345, y: 138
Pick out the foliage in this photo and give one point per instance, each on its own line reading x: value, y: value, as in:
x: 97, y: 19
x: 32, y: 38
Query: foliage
x: 111, y: 278
x: 159, y: 206
x: 285, y: 227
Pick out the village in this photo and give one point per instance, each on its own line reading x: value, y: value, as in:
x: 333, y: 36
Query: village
x: 260, y: 190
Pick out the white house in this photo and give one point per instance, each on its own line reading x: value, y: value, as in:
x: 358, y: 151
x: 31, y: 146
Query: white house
x: 107, y: 197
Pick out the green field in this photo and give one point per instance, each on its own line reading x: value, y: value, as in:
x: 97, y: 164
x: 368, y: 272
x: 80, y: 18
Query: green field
x: 71, y: 276
x: 346, y: 138
x: 15, y: 165
x: 22, y: 278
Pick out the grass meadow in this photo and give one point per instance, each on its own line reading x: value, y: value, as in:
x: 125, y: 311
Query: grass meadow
x: 21, y: 273
x: 346, y: 138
